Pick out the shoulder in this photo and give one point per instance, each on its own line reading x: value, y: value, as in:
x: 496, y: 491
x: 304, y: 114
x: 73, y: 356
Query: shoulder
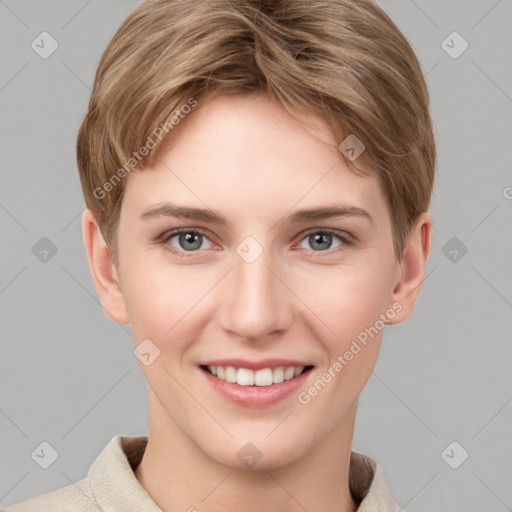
x: 110, y: 479
x: 76, y: 497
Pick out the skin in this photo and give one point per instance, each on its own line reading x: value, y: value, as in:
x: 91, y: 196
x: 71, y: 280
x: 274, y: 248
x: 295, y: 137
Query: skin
x: 246, y: 158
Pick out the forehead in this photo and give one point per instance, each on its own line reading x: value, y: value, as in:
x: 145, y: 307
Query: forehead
x: 249, y: 153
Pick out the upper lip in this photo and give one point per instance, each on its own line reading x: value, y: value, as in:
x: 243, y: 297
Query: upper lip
x: 255, y: 365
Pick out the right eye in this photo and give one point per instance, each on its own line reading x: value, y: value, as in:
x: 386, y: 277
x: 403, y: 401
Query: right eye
x: 187, y: 240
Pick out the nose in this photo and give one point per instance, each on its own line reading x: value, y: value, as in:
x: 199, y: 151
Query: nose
x: 256, y: 301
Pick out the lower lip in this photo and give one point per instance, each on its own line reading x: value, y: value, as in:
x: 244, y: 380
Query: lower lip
x: 256, y: 396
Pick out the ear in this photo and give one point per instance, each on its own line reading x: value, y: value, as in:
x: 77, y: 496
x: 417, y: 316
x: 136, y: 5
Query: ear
x: 412, y: 265
x: 103, y: 271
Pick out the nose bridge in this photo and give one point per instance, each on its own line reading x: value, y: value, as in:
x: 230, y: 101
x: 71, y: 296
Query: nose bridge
x: 258, y: 302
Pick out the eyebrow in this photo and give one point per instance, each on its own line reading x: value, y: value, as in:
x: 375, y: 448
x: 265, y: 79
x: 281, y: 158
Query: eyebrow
x: 311, y: 214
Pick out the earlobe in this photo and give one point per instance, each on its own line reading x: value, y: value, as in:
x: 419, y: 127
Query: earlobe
x: 104, y: 273
x: 412, y: 267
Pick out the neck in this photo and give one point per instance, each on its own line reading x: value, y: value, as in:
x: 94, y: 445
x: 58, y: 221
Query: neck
x: 178, y: 476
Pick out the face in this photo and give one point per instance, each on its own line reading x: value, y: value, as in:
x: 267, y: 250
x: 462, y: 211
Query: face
x: 267, y: 286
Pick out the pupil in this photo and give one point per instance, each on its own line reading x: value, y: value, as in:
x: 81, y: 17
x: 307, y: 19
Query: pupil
x: 318, y: 238
x: 189, y: 238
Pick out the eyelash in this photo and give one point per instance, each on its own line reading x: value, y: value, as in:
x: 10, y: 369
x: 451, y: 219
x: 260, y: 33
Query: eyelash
x: 164, y: 241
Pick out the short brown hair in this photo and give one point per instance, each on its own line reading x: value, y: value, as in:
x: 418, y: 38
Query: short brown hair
x: 344, y: 60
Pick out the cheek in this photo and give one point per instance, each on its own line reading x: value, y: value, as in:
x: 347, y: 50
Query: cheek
x: 348, y: 299
x: 348, y: 307
x: 164, y: 301
x: 355, y: 317
x: 352, y: 303
x: 149, y: 284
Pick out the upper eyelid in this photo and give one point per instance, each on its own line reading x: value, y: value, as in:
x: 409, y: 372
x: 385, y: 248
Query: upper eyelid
x: 165, y: 237
x: 173, y: 232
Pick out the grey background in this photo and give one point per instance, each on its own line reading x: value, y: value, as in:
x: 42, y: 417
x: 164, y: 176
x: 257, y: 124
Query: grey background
x: 68, y: 375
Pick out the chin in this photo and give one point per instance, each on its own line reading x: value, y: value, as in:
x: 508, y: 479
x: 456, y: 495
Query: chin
x: 259, y: 455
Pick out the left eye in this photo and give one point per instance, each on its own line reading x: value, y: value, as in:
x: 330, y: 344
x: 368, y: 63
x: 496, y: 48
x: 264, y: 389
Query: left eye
x: 321, y: 240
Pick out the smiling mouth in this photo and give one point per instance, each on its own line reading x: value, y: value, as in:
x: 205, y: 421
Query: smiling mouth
x: 262, y: 377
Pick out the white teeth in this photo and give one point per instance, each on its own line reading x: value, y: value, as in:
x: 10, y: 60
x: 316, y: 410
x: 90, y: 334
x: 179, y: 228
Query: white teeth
x: 263, y: 377
x: 278, y: 375
x: 298, y: 371
x: 289, y: 373
x: 230, y: 374
x: 245, y: 377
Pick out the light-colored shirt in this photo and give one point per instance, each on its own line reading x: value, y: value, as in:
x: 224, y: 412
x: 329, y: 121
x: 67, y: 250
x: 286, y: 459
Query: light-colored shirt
x: 111, y: 484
